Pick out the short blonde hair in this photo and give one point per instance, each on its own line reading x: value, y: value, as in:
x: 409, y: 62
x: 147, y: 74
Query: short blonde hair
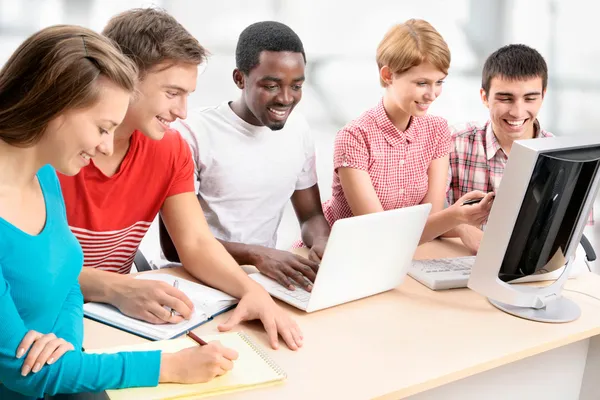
x: 411, y: 43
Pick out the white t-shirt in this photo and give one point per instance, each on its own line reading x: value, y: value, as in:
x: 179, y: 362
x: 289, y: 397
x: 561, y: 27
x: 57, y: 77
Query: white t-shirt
x: 246, y: 174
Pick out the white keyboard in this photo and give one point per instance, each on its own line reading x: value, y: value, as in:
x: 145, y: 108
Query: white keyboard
x: 298, y: 298
x: 445, y: 273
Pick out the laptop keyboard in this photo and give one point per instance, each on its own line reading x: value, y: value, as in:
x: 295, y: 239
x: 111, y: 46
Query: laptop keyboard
x: 299, y: 294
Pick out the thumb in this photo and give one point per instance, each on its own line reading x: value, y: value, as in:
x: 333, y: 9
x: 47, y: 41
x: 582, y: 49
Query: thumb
x: 236, y: 317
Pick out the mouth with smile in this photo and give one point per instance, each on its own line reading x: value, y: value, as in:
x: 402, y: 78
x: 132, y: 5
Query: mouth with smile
x: 422, y: 106
x: 279, y: 113
x: 85, y: 157
x: 515, y: 125
x: 164, y: 123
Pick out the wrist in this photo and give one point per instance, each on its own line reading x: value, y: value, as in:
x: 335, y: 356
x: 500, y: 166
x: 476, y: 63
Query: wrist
x: 116, y: 288
x: 167, y: 366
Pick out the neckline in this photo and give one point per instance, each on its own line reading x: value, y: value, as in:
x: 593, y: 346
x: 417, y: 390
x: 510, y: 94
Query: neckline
x: 48, y: 221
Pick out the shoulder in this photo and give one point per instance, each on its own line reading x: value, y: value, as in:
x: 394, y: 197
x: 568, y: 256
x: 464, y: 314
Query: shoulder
x: 363, y: 127
x: 468, y: 130
x: 47, y: 176
x: 431, y: 123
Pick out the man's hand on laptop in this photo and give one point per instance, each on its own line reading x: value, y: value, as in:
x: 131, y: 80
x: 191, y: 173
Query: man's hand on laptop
x: 256, y: 303
x: 152, y: 301
x: 317, y: 250
x: 285, y: 267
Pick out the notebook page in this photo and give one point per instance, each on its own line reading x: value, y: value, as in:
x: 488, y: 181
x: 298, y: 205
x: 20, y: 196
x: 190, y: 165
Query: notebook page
x: 250, y: 369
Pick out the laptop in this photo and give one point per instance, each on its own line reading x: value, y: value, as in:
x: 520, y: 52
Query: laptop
x: 365, y: 255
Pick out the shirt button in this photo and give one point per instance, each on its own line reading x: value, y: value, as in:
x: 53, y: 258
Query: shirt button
x: 401, y: 191
x: 344, y: 164
x: 401, y: 162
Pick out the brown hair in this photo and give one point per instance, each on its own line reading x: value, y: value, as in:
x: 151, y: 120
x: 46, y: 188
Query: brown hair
x: 55, y: 70
x: 411, y: 43
x: 151, y: 36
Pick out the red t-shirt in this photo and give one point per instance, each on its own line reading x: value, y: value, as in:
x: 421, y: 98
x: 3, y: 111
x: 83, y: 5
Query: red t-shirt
x: 110, y: 215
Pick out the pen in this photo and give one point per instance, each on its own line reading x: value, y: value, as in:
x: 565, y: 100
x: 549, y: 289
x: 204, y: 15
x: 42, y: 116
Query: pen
x: 176, y: 286
x: 195, y: 338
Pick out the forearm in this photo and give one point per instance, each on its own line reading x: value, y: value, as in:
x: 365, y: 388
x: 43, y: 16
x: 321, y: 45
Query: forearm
x: 69, y: 324
x: 210, y: 262
x: 314, y: 229
x: 241, y: 253
x: 101, y: 286
x: 461, y: 231
x: 439, y: 224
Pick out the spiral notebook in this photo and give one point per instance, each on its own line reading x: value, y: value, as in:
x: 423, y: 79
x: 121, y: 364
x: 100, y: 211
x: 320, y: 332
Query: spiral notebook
x: 208, y: 303
x: 253, y: 368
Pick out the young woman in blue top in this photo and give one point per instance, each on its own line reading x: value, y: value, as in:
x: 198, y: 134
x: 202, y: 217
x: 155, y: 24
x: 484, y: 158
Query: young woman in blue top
x: 62, y: 93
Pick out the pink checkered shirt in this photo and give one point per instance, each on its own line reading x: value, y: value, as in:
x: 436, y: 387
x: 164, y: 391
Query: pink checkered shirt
x: 477, y: 160
x: 396, y: 161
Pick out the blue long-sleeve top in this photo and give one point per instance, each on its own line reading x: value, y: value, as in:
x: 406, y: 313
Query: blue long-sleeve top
x: 39, y: 290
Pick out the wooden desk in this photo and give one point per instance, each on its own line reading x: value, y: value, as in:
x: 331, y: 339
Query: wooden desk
x: 408, y: 341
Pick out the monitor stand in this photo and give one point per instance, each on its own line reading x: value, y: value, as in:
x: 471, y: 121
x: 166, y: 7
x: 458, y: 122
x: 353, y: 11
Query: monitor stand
x: 556, y: 311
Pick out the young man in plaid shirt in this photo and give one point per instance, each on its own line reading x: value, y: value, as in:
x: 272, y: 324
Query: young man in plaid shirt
x: 514, y: 81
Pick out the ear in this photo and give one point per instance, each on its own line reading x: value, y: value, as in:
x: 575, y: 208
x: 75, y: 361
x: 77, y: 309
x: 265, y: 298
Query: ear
x: 239, y: 79
x: 544, y: 93
x: 386, y: 74
x: 484, y: 98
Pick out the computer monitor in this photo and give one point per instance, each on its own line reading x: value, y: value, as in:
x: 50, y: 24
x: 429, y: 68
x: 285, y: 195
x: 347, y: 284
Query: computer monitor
x: 537, y: 219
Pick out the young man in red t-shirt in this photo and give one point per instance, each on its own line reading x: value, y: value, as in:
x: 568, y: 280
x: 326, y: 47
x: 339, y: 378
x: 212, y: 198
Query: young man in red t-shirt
x: 114, y: 199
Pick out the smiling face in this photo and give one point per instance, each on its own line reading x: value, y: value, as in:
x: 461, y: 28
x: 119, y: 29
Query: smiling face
x: 514, y: 106
x: 272, y: 89
x: 414, y: 90
x: 72, y: 138
x: 161, y: 98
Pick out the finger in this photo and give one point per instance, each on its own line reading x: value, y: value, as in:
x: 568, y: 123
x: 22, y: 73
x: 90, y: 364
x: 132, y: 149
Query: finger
x: 34, y: 352
x: 282, y: 279
x: 50, y: 348
x: 285, y: 330
x: 26, y: 343
x: 487, y: 200
x: 237, y: 316
x: 313, y: 256
x: 185, y: 306
x: 229, y: 354
x: 314, y: 266
x: 58, y: 353
x: 299, y: 278
x: 151, y: 317
x: 305, y: 270
x: 177, y: 305
x: 220, y: 371
x: 271, y: 328
x: 226, y: 364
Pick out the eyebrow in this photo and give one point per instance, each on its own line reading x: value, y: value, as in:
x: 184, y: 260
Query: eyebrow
x: 508, y: 94
x: 426, y: 79
x: 175, y: 87
x: 110, y: 121
x: 274, y: 79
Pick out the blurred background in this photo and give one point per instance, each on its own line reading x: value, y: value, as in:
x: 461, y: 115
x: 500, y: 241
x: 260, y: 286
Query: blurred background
x: 340, y: 41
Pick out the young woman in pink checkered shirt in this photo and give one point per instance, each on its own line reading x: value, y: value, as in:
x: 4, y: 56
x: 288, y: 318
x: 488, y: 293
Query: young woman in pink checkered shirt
x: 395, y: 155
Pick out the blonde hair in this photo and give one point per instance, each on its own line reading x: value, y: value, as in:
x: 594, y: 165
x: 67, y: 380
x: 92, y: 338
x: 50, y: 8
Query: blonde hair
x: 411, y: 43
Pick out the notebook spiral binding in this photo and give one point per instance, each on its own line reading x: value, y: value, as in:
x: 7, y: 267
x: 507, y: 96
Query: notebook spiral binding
x: 262, y: 354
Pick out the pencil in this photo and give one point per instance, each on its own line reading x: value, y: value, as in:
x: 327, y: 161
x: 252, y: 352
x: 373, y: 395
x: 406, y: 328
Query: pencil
x: 176, y: 286
x: 195, y: 338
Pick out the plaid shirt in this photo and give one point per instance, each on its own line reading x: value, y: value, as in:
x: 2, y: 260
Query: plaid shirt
x: 477, y: 160
x: 397, y: 162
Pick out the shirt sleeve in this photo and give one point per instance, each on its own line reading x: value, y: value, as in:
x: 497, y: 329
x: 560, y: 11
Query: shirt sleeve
x: 75, y: 371
x: 350, y: 150
x: 183, y: 167
x: 194, y: 140
x: 443, y: 140
x: 69, y: 325
x: 308, y: 175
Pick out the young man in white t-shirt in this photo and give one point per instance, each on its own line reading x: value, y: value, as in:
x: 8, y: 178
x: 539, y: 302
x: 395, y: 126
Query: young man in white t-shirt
x: 252, y: 156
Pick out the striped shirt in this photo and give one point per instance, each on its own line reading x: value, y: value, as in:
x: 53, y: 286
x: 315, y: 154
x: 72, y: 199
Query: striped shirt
x: 110, y: 215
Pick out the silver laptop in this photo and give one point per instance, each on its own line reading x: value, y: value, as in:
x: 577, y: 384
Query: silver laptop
x: 365, y: 255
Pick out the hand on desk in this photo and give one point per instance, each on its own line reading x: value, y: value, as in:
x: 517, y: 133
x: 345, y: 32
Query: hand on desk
x: 471, y: 237
x: 258, y: 304
x: 146, y: 299
x: 317, y: 250
x: 43, y: 348
x: 285, y: 267
x: 197, y: 364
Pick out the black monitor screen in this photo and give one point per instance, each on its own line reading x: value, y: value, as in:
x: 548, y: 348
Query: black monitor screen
x: 558, y: 189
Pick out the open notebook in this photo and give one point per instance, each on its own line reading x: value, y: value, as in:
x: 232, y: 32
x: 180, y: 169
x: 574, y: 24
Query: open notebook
x: 208, y: 303
x: 253, y: 368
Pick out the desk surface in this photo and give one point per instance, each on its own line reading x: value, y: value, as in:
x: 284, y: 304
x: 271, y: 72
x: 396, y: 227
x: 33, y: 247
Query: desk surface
x: 401, y: 342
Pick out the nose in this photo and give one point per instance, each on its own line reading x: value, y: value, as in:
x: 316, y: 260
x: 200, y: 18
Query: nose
x: 106, y: 147
x: 180, y: 108
x: 285, y: 96
x: 431, y: 94
x: 516, y: 109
